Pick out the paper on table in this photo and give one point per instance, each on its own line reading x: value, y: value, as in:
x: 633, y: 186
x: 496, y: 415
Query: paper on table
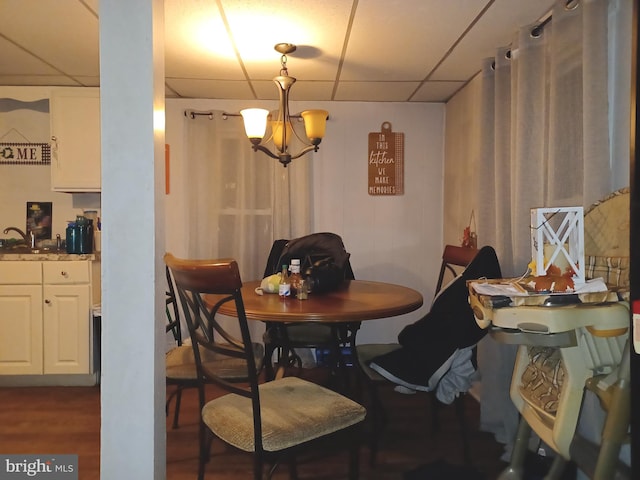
x: 510, y: 288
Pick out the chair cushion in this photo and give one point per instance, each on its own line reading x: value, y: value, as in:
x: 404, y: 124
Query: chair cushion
x: 293, y: 411
x: 180, y: 363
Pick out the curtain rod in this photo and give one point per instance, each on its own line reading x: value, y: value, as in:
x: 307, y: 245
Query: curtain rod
x: 537, y: 30
x: 542, y: 22
x: 192, y: 114
x: 545, y: 19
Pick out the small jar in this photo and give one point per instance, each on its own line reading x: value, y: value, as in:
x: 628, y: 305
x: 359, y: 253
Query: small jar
x: 303, y: 293
x: 295, y: 277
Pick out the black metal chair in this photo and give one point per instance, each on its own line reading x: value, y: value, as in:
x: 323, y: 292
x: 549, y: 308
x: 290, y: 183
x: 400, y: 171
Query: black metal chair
x: 284, y: 338
x: 179, y: 362
x: 454, y: 259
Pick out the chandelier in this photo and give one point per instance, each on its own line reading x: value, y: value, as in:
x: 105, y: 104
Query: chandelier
x: 282, y: 131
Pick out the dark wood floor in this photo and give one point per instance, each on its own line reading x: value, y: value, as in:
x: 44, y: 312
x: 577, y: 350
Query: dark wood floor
x: 66, y: 420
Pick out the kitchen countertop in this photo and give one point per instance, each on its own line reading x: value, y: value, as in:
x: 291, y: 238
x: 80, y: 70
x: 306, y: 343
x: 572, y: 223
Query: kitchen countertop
x: 47, y: 256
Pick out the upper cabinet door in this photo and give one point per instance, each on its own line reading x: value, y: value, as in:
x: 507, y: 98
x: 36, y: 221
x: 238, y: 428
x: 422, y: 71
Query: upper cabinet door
x: 75, y: 139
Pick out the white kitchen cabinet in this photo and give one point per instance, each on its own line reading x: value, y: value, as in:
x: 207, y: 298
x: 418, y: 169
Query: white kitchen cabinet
x: 75, y: 139
x: 20, y: 318
x: 66, y: 317
x: 45, y: 316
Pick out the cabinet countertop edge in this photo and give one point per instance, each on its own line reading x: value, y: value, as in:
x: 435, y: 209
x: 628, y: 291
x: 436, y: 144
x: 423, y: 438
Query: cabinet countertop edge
x: 48, y: 256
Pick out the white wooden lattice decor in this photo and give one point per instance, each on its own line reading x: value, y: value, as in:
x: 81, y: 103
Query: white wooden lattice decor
x: 557, y: 237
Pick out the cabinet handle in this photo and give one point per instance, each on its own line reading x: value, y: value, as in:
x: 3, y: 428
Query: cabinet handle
x: 64, y: 274
x: 54, y: 146
x: 47, y: 301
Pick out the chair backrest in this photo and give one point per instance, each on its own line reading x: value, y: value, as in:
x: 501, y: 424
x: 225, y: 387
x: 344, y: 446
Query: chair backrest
x: 450, y: 323
x: 273, y: 261
x: 203, y: 286
x: 172, y: 311
x: 454, y: 256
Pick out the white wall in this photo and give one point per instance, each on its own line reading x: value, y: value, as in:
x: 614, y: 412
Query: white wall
x: 395, y: 239
x: 20, y: 184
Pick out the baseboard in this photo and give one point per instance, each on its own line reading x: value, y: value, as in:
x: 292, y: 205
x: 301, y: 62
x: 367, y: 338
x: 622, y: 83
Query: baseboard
x: 87, y: 380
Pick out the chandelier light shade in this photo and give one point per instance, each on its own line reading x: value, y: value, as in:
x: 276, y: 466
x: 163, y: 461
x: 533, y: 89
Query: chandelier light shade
x: 255, y: 122
x: 282, y: 131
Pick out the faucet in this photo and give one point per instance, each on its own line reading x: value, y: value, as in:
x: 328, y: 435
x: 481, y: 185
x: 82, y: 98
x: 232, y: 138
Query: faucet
x: 22, y: 234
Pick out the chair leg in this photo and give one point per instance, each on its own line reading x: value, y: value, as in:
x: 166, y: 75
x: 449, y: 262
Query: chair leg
x: 293, y: 467
x: 466, y: 450
x: 175, y: 393
x: 515, y: 469
x: 435, y: 409
x: 258, y: 466
x: 354, y: 456
x: 205, y: 439
x: 377, y: 413
x: 269, y: 350
x: 286, y: 359
x: 176, y: 413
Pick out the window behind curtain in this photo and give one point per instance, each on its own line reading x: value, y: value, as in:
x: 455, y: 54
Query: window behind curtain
x: 230, y: 194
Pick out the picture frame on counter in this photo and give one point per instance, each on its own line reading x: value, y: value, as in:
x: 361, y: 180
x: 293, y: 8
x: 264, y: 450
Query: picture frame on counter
x: 40, y: 219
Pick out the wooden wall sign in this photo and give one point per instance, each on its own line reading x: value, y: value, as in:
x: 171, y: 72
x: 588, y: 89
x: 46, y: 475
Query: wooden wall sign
x: 386, y: 162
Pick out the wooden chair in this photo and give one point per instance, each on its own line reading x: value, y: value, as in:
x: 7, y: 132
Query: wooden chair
x: 180, y: 363
x: 271, y: 420
x: 454, y: 259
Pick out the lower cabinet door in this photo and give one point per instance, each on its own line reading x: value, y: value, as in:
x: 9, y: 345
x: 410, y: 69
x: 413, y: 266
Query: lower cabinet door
x: 66, y: 329
x: 20, y: 329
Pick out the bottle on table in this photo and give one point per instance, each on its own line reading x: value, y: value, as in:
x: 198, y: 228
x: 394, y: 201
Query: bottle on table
x: 284, y: 287
x: 296, y: 277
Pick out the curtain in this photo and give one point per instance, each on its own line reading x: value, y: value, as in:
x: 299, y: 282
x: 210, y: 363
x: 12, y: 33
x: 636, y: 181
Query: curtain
x: 545, y: 126
x: 548, y: 120
x: 239, y: 201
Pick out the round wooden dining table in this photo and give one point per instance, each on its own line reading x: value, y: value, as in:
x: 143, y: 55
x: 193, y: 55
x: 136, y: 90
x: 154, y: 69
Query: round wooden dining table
x: 342, y: 309
x: 354, y: 301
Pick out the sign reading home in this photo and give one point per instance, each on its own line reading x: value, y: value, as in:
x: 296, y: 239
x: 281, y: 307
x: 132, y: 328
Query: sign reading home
x: 25, y: 154
x: 386, y: 162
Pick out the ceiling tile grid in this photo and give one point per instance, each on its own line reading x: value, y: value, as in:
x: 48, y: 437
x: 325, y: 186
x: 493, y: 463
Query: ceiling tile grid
x: 358, y: 50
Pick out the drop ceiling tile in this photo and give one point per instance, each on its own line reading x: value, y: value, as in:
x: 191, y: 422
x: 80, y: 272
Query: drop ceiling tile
x: 208, y: 88
x: 301, y: 90
x: 64, y: 33
x: 37, y: 80
x: 196, y: 43
x: 88, y: 81
x: 375, y: 91
x: 392, y: 40
x: 483, y: 41
x: 436, y: 91
x: 317, y: 28
x: 320, y: 91
x: 13, y: 56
